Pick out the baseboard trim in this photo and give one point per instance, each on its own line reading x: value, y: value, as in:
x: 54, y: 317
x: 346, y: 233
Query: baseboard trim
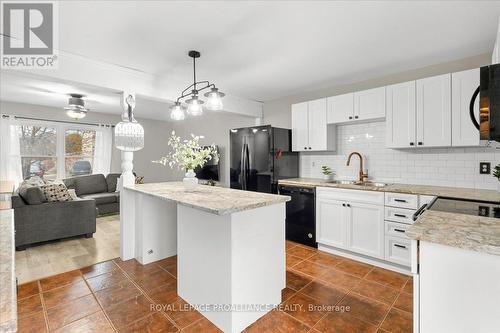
x: 367, y: 260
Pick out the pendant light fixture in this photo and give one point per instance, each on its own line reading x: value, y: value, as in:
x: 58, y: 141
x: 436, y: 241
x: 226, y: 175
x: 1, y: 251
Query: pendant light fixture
x: 129, y: 134
x: 194, y: 104
x: 76, y: 107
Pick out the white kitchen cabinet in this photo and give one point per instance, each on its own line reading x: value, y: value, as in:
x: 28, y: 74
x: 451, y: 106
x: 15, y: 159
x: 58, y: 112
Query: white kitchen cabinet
x: 365, y: 229
x: 310, y: 132
x: 317, y: 124
x: 351, y: 220
x: 369, y: 104
x: 300, y: 128
x: 463, y: 85
x: 340, y: 108
x: 331, y: 222
x: 434, y: 111
x: 397, y: 250
x: 401, y: 115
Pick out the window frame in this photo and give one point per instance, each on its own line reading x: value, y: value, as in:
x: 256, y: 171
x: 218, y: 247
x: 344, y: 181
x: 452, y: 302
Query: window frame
x: 60, y: 153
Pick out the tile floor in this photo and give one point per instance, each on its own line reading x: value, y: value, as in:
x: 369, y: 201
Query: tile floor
x: 61, y: 256
x: 324, y: 293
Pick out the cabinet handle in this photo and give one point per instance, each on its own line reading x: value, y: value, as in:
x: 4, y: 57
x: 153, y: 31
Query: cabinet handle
x: 343, y: 204
x: 305, y: 147
x: 400, y: 200
x: 399, y: 230
x: 400, y: 215
x: 310, y: 148
x: 412, y: 143
x: 350, y: 117
x: 420, y: 143
x: 400, y: 246
x: 348, y: 205
x: 355, y: 117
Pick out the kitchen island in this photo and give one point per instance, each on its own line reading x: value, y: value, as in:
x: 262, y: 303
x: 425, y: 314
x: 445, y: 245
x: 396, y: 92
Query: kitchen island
x: 230, y: 246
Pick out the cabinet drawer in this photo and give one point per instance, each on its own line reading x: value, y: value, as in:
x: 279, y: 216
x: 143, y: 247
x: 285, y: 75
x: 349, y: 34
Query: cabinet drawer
x: 399, y: 215
x: 401, y: 200
x: 396, y: 229
x: 397, y: 250
x: 346, y: 195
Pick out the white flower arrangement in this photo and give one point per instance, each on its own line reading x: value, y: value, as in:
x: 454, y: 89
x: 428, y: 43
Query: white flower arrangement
x: 188, y: 154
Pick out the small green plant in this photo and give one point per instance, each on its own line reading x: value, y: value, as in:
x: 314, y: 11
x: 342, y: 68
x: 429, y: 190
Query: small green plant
x: 326, y: 170
x: 496, y: 173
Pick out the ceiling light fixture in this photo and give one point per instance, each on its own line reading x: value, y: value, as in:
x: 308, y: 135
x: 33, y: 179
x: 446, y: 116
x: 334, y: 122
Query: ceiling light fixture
x: 76, y: 107
x: 194, y: 104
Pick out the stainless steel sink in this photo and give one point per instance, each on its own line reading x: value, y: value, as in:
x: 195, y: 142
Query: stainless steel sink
x: 353, y: 182
x: 374, y: 184
x: 343, y: 182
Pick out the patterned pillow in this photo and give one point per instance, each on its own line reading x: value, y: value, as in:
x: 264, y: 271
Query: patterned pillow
x: 56, y: 192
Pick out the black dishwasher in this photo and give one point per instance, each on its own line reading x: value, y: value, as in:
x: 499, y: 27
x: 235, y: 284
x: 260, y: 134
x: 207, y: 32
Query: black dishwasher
x: 300, y: 214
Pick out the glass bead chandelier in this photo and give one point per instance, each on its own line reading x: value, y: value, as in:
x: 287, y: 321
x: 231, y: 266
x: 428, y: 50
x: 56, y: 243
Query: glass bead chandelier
x: 194, y: 104
x: 129, y: 134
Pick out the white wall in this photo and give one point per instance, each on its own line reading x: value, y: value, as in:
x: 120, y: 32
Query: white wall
x: 215, y: 128
x: 155, y: 134
x: 277, y: 112
x: 447, y: 167
x: 437, y: 166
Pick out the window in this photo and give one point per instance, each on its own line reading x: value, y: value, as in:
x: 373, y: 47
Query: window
x: 56, y: 150
x: 38, y: 150
x: 79, y: 148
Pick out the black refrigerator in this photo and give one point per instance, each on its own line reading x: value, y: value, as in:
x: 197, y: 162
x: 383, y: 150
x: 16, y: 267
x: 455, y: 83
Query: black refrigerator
x: 260, y: 156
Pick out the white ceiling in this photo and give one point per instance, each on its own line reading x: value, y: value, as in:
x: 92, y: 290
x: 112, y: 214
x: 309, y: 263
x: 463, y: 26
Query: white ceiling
x: 264, y: 50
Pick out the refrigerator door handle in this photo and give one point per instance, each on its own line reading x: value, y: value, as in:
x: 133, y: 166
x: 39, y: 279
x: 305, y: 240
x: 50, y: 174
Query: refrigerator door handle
x: 244, y: 165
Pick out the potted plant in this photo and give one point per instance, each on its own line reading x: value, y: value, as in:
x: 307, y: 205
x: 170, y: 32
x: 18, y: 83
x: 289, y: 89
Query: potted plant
x: 327, y: 172
x: 188, y: 155
x: 496, y: 174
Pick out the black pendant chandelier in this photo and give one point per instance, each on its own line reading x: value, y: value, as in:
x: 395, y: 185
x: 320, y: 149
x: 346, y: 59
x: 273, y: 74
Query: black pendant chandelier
x: 195, y: 105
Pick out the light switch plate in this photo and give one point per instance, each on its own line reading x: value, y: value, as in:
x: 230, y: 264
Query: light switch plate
x: 484, y: 168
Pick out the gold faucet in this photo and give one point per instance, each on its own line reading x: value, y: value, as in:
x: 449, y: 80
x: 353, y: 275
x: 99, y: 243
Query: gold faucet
x: 362, y: 174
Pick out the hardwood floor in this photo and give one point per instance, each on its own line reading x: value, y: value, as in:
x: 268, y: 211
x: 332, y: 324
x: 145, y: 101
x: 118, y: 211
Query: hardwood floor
x: 62, y: 256
x: 324, y: 293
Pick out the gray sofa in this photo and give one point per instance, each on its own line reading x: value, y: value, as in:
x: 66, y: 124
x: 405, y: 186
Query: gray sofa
x: 101, y: 189
x: 35, y: 223
x: 37, y: 220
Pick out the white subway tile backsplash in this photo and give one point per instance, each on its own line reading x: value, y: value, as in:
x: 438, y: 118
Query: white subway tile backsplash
x: 439, y: 166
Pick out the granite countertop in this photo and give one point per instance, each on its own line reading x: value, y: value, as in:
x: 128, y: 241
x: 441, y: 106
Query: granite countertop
x: 215, y: 200
x: 8, y: 305
x: 468, y: 232
x: 440, y: 191
x: 476, y: 233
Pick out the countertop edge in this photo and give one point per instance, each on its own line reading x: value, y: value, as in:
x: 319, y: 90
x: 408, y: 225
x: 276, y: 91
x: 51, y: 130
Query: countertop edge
x: 278, y: 200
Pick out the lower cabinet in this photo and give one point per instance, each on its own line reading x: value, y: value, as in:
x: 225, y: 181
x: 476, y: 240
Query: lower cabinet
x: 365, y: 229
x: 350, y: 225
x: 397, y: 250
x: 331, y: 218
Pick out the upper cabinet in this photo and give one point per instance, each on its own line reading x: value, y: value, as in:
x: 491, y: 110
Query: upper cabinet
x: 310, y: 131
x: 340, y: 108
x: 401, y: 115
x: 361, y: 105
x: 434, y: 111
x: 369, y: 104
x: 419, y: 113
x: 463, y: 85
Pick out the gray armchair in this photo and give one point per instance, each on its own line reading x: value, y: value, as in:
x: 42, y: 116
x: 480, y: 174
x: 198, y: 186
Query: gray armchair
x: 52, y: 220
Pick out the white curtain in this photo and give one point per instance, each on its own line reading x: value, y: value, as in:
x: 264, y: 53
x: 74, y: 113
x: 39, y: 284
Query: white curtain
x: 103, y: 147
x: 10, y: 155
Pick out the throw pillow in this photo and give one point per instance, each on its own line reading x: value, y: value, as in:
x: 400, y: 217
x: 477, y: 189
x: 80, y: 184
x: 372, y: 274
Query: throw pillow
x: 34, y: 181
x: 72, y: 194
x: 33, y: 195
x: 56, y: 192
x: 139, y: 179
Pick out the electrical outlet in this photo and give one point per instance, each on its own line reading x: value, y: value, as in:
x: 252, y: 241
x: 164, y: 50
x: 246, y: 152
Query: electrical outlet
x: 484, y: 168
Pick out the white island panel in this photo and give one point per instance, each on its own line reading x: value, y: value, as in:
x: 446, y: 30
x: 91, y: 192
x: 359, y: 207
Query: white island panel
x: 233, y: 263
